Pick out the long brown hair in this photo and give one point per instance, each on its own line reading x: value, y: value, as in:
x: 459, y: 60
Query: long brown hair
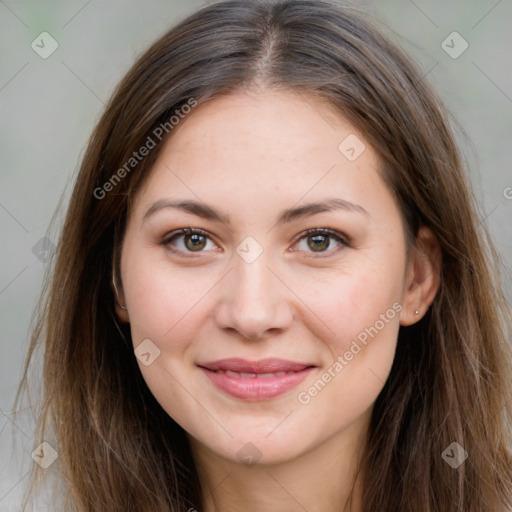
x: 450, y: 381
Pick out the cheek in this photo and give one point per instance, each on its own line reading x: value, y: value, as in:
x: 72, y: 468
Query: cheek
x: 363, y: 316
x: 162, y: 300
x: 360, y: 310
x: 167, y: 307
x: 353, y: 302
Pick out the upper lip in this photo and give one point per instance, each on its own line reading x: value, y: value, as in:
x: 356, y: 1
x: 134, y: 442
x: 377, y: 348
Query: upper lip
x: 270, y: 365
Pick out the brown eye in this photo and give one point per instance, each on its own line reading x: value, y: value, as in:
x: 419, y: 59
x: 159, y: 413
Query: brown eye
x: 322, y: 241
x: 318, y: 242
x: 188, y: 240
x: 195, y: 242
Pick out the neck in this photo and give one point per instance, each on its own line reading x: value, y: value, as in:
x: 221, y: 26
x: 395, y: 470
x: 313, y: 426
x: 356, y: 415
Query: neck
x: 322, y: 479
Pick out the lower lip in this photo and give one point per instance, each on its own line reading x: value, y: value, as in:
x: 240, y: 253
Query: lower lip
x: 256, y: 388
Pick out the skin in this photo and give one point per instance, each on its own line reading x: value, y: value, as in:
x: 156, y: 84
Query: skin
x: 251, y: 155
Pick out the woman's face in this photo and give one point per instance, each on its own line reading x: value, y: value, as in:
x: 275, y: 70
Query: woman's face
x: 262, y: 340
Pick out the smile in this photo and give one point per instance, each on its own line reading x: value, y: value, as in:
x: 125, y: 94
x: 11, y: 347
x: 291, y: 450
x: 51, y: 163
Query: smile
x: 256, y: 380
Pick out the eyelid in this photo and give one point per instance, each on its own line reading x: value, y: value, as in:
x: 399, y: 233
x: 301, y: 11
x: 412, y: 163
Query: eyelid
x: 166, y: 240
x: 185, y: 231
x: 343, y: 239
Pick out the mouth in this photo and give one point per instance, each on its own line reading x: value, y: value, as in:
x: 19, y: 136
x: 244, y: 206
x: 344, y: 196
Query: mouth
x: 255, y: 380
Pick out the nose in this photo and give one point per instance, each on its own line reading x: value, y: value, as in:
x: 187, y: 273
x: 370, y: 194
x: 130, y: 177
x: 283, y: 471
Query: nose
x: 254, y: 302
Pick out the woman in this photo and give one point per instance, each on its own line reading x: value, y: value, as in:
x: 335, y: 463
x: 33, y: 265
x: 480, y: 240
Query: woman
x: 272, y: 291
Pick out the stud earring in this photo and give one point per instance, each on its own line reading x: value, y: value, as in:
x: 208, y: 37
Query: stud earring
x: 417, y: 312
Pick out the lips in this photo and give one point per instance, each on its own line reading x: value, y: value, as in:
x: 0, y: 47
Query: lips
x: 264, y: 366
x: 255, y: 380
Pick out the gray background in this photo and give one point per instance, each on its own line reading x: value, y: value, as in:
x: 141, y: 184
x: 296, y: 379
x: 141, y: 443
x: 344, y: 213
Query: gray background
x: 49, y: 107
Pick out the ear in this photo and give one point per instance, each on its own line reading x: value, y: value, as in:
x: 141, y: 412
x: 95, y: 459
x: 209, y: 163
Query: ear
x: 423, y: 276
x: 120, y: 302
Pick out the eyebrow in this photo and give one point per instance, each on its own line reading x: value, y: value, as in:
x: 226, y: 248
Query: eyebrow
x: 207, y: 212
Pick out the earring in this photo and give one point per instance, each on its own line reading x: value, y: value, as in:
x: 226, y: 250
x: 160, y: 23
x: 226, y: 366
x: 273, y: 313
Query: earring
x: 417, y: 312
x: 117, y: 295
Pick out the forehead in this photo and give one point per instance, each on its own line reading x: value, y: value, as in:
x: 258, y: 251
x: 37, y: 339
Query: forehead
x: 274, y: 124
x: 267, y: 146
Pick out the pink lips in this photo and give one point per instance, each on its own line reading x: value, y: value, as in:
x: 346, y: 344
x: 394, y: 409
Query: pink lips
x: 255, y: 380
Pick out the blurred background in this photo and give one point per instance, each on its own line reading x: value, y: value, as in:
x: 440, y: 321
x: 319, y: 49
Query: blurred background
x: 59, y: 64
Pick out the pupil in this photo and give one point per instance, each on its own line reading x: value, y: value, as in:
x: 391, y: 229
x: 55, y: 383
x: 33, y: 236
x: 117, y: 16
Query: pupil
x: 324, y: 242
x: 198, y: 241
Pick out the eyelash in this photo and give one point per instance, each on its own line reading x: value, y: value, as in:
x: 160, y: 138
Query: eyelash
x: 339, y: 237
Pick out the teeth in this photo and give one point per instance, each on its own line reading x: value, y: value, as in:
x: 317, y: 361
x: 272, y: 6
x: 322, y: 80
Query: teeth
x: 250, y: 375
x: 269, y: 375
x: 243, y: 375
